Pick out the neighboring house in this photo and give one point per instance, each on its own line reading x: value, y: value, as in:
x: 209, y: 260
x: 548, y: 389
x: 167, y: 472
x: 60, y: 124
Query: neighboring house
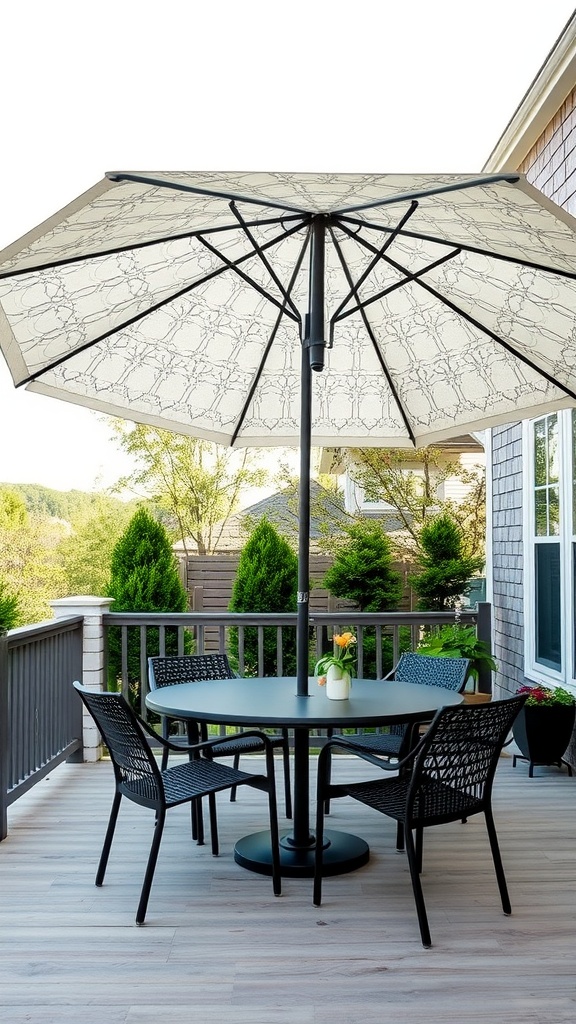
x: 532, y: 465
x: 467, y: 449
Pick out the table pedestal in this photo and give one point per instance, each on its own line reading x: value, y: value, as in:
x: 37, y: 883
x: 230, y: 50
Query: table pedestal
x: 342, y: 852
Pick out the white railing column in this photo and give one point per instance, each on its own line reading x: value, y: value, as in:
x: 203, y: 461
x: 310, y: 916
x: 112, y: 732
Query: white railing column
x: 92, y: 609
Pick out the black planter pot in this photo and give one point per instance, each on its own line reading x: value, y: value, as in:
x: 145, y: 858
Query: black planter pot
x: 543, y: 733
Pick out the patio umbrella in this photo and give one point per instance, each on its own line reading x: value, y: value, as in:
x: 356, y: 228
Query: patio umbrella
x: 431, y: 305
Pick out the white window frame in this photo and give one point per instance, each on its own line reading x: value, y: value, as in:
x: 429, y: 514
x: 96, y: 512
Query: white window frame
x: 534, y: 670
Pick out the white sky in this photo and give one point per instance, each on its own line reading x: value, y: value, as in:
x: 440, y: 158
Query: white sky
x: 310, y: 85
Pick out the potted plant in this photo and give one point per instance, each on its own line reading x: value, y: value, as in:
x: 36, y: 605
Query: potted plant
x: 543, y: 728
x: 458, y: 641
x: 338, y: 667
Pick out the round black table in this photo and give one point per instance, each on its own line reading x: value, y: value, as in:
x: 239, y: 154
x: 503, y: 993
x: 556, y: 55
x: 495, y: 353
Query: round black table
x: 272, y: 702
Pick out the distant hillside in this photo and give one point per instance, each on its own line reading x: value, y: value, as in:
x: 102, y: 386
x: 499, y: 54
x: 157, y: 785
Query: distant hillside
x: 45, y: 501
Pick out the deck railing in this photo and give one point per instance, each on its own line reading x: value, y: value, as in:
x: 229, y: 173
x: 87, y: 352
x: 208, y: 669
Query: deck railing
x: 41, y: 716
x: 40, y: 725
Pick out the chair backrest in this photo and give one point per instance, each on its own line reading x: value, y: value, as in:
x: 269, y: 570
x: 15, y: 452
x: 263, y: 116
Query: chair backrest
x: 427, y: 670
x: 460, y: 751
x: 187, y: 668
x: 135, y: 767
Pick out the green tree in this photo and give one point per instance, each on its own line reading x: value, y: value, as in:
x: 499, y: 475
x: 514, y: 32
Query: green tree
x: 363, y: 572
x: 266, y: 581
x: 196, y: 484
x: 410, y: 481
x: 29, y: 560
x: 86, y: 553
x: 9, y: 610
x: 444, y: 566
x: 144, y: 578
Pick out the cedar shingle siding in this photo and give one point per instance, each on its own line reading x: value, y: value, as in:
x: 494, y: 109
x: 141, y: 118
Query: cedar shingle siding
x: 507, y: 558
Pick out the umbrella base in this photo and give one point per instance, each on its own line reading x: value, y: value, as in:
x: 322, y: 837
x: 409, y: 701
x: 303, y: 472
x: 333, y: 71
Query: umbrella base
x: 343, y: 852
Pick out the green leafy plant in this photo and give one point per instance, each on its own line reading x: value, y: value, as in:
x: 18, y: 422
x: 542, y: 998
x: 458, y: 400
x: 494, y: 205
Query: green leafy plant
x: 444, y: 567
x: 547, y: 697
x: 9, y: 608
x: 458, y: 641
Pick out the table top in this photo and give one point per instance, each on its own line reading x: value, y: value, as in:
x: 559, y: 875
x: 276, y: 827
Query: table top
x: 273, y: 702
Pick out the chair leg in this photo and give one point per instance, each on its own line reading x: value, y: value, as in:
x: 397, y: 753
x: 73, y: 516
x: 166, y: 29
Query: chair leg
x: 274, y: 838
x: 236, y: 765
x: 498, y: 866
x: 286, y: 762
x: 213, y: 823
x: 419, y: 845
x: 165, y: 751
x: 417, y: 888
x: 400, y: 836
x: 108, y: 839
x: 150, y: 867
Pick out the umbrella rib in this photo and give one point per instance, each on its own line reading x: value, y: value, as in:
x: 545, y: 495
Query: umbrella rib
x: 465, y: 246
x: 393, y: 287
x: 258, y: 249
x: 354, y: 290
x: 134, y: 246
x: 195, y: 190
x: 250, y: 281
x: 489, y: 179
x: 152, y: 309
x: 269, y: 344
x: 372, y: 337
x: 486, y: 330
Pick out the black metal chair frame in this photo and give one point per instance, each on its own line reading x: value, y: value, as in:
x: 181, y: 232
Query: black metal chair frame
x: 139, y: 778
x: 447, y: 777
x: 172, y: 670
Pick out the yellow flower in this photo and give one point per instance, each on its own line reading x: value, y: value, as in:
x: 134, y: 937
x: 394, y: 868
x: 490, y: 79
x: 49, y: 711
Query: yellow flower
x: 344, y: 639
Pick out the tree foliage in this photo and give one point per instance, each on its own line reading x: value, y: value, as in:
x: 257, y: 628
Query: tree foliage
x: 144, y: 578
x: 29, y: 561
x: 86, y: 553
x: 363, y: 571
x: 196, y: 484
x: 9, y: 608
x: 266, y: 581
x: 444, y: 568
x: 410, y: 481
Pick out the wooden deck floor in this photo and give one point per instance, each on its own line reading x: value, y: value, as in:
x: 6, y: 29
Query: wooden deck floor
x: 218, y: 947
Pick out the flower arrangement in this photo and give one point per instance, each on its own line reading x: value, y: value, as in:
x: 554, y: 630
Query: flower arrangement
x: 547, y: 697
x: 342, y: 657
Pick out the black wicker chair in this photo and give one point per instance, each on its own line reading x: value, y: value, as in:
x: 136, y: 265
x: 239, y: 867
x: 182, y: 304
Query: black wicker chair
x: 450, y: 778
x: 422, y: 670
x: 175, y: 669
x: 139, y: 778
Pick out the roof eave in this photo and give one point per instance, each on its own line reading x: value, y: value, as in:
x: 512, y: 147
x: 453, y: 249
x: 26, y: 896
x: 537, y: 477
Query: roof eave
x: 544, y: 97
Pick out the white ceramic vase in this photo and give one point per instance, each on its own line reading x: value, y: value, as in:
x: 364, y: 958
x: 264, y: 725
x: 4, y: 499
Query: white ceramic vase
x: 337, y: 683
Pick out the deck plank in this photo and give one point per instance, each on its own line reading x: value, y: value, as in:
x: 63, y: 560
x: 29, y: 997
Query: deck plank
x: 216, y: 941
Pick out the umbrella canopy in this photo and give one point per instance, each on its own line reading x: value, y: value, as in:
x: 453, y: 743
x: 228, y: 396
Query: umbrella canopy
x: 180, y: 299
x: 199, y: 302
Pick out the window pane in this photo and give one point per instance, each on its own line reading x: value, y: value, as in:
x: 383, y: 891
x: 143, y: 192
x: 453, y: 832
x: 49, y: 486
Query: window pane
x: 548, y: 650
x: 553, y: 512
x: 553, y: 449
x: 540, y: 475
x: 540, y: 514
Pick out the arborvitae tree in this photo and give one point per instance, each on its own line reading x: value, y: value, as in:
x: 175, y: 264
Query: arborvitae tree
x: 363, y: 570
x: 9, y: 608
x: 266, y: 581
x: 144, y: 578
x: 444, y: 568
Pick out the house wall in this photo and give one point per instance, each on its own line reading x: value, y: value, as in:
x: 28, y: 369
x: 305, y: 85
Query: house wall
x: 507, y: 559
x: 551, y: 163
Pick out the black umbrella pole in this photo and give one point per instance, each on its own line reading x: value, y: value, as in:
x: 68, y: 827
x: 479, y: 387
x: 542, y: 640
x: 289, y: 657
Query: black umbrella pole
x: 302, y: 629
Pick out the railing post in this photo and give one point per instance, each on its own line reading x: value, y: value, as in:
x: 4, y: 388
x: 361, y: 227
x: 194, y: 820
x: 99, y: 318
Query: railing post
x: 484, y: 632
x: 3, y: 735
x: 92, y: 609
